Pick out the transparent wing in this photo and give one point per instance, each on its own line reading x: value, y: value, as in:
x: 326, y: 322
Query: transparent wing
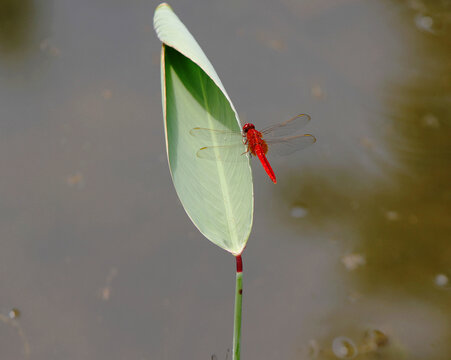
x: 212, y: 136
x: 286, y: 128
x: 290, y: 144
x: 228, y: 153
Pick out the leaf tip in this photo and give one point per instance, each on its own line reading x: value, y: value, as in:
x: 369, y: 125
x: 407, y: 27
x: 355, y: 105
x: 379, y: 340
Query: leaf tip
x: 163, y: 5
x: 162, y: 11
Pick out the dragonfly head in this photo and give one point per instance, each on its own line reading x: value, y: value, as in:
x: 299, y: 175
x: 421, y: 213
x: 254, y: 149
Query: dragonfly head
x: 248, y: 127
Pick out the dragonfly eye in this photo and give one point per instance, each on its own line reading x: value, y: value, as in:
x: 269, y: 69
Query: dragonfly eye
x: 247, y: 127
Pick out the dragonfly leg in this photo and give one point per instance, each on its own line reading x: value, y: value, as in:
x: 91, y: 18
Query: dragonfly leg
x: 246, y: 152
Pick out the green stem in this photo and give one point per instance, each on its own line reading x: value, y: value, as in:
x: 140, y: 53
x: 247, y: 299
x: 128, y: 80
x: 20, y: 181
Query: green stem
x: 238, y: 306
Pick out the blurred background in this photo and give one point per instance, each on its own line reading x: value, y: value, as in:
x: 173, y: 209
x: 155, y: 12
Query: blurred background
x: 350, y: 253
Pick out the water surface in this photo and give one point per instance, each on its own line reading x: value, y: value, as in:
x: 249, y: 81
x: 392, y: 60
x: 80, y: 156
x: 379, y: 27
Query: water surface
x: 349, y: 255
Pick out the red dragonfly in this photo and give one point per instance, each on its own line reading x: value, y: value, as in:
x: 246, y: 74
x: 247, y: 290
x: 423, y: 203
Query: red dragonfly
x: 282, y: 138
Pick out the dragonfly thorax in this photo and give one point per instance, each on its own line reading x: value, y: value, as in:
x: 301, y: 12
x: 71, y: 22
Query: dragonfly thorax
x: 248, y: 127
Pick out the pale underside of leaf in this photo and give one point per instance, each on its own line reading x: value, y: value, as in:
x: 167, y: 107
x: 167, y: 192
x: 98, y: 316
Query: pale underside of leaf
x: 216, y: 195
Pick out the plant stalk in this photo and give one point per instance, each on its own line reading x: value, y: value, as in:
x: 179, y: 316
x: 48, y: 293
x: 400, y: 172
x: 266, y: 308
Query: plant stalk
x: 238, y: 306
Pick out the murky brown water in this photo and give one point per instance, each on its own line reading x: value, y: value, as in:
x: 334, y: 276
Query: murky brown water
x: 349, y: 255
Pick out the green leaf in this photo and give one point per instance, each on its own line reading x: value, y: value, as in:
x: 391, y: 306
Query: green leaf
x: 217, y: 195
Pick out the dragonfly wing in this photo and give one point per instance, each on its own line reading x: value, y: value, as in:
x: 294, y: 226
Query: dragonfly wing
x: 228, y: 153
x: 289, y: 127
x: 290, y: 144
x: 213, y: 136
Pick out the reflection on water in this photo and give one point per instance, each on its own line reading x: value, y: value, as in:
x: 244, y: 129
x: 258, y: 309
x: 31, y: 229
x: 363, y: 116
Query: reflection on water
x: 414, y: 246
x: 15, y: 24
x: 395, y: 230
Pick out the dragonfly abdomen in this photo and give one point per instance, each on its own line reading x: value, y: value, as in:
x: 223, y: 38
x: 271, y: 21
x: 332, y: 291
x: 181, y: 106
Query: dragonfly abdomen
x: 265, y: 163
